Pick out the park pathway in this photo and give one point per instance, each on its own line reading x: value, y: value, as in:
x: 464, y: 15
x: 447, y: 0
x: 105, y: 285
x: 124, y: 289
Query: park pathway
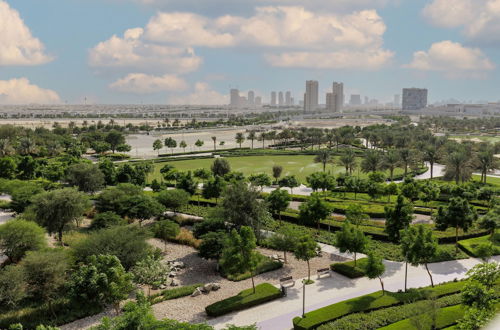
x: 278, y: 315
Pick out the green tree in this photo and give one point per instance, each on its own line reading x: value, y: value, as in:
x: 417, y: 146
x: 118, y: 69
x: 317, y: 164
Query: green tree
x: 324, y: 157
x: 157, y: 145
x: 212, y: 245
x: 166, y: 230
x: 13, y: 287
x: 86, y: 177
x: 127, y: 243
x: 431, y: 155
x: 22, y: 196
x: 355, y: 215
x: 174, y: 199
x: 284, y: 240
x: 101, y: 280
x: 183, y: 145
x: 107, y: 220
x: 199, y: 143
x: 429, y: 191
x: 419, y: 246
x: 486, y: 162
x: 321, y: 180
x: 240, y: 138
x: 458, y: 213
x: 17, y: 237
x: 289, y: 182
x: 239, y: 255
x: 305, y: 250
x: 348, y: 160
x: 458, y: 166
x: 398, y: 217
x: 260, y: 180
x: 491, y: 221
x: 115, y: 199
x: 151, y: 272
x: 213, y: 188
x: 314, y: 210
x: 143, y: 207
x: 351, y: 239
x: 114, y: 139
x: 252, y: 136
x: 8, y: 168
x: 372, y: 161
x: 46, y: 274
x: 375, y: 268
x: 390, y: 162
x: 56, y: 209
x: 214, y: 139
x: 220, y: 167
x: 278, y: 201
x: 277, y: 170
x: 170, y: 143
x: 186, y: 182
x: 108, y: 169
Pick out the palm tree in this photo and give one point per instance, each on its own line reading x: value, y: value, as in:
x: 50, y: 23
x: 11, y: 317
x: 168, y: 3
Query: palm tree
x: 323, y: 157
x: 390, y: 161
x: 251, y: 136
x: 486, y: 162
x: 458, y: 166
x: 27, y: 146
x: 240, y: 138
x: 263, y: 137
x: 372, y: 161
x: 214, y: 138
x: 431, y: 155
x: 5, y: 147
x: 405, y: 159
x: 348, y: 160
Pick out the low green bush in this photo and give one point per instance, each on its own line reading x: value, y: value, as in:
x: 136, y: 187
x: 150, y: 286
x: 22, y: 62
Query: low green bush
x: 370, y: 302
x: 4, y: 205
x: 446, y: 317
x: 387, y: 316
x: 347, y: 268
x: 245, y: 299
x: 470, y: 245
x: 170, y: 294
x: 264, y: 265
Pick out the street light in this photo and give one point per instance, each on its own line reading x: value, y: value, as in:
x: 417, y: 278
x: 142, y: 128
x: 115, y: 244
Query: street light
x: 303, y: 299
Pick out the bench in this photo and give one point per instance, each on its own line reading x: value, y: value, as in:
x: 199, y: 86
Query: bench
x: 324, y: 271
x: 285, y: 283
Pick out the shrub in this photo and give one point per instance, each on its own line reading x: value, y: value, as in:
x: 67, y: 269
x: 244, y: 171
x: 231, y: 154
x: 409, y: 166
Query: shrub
x: 371, y: 302
x: 264, y: 265
x: 107, y: 220
x: 170, y: 294
x: 470, y: 245
x: 245, y: 299
x: 185, y: 237
x: 347, y: 268
x: 447, y: 316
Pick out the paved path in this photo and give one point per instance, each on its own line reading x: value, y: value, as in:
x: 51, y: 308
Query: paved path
x: 278, y: 315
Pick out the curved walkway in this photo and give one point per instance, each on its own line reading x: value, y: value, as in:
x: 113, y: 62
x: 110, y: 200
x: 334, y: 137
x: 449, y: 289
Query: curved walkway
x: 278, y: 315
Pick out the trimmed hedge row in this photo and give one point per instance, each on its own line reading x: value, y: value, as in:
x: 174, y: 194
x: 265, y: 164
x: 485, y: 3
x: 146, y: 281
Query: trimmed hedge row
x: 245, y: 299
x: 446, y: 317
x: 347, y: 268
x: 470, y: 245
x: 370, y: 302
x: 170, y: 294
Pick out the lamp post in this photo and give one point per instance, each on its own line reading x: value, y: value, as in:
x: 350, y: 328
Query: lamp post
x: 303, y: 299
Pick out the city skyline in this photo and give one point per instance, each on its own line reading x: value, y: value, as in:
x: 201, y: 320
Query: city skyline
x: 138, y: 57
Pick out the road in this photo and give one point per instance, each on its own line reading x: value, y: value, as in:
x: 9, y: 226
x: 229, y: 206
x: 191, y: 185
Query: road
x: 278, y: 315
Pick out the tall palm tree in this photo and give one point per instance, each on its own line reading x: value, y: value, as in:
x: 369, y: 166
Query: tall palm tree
x: 372, y: 161
x: 458, y: 166
x: 240, y: 138
x: 348, y: 160
x: 214, y: 138
x: 5, y: 147
x: 323, y: 157
x: 251, y: 136
x: 27, y: 146
x: 405, y: 158
x: 262, y: 137
x: 431, y: 154
x: 391, y: 161
x: 486, y: 162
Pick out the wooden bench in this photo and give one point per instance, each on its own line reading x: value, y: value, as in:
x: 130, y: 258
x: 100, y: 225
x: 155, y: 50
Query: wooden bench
x: 285, y: 283
x: 324, y: 271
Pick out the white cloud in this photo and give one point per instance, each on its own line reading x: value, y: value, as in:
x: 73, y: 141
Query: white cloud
x: 479, y: 19
x: 202, y: 94
x: 17, y: 45
x: 132, y: 52
x: 21, y: 91
x: 453, y: 59
x: 139, y: 83
x: 335, y: 60
x: 294, y: 31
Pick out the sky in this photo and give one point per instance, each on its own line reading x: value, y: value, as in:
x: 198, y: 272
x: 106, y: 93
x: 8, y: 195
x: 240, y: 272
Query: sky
x: 194, y: 51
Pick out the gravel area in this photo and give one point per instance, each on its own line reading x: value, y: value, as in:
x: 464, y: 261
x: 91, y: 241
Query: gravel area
x: 189, y: 309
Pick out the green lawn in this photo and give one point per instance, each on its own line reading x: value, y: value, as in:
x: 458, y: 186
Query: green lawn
x: 298, y: 165
x: 490, y: 180
x: 490, y: 139
x: 471, y: 244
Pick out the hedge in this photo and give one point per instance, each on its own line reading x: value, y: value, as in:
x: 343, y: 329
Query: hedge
x: 245, y: 299
x: 470, y: 245
x: 370, y: 302
x: 264, y: 265
x: 446, y: 317
x: 347, y: 268
x: 170, y: 294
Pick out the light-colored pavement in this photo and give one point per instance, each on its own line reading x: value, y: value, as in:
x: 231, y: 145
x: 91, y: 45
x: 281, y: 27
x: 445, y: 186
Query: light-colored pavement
x: 278, y: 315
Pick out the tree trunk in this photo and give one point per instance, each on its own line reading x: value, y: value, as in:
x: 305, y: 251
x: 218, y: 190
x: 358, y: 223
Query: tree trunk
x: 392, y: 174
x: 406, y: 275
x: 382, y: 284
x: 432, y: 169
x: 456, y: 240
x: 253, y: 283
x: 430, y: 275
x: 355, y: 259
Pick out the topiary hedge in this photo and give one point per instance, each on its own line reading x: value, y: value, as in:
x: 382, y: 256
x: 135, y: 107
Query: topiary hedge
x: 245, y: 299
x: 347, y: 268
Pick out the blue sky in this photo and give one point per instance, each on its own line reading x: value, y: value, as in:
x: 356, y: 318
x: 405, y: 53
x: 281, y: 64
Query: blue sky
x: 187, y: 51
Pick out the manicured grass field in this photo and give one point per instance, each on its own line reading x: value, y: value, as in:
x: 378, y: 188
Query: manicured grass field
x: 490, y: 180
x: 299, y: 165
x: 490, y: 139
x: 471, y: 244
